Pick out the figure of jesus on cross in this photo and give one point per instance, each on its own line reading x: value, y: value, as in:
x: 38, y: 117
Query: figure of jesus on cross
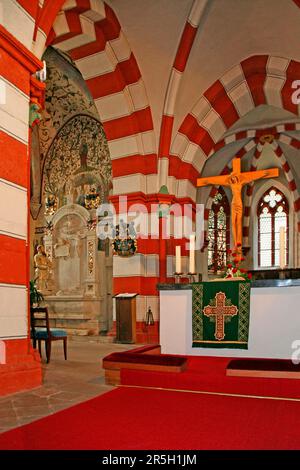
x: 236, y: 180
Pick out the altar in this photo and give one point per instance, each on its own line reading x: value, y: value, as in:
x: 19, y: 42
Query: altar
x: 274, y: 326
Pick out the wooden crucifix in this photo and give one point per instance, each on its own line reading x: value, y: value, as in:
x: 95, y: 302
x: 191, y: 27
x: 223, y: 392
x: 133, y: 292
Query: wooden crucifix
x: 236, y: 180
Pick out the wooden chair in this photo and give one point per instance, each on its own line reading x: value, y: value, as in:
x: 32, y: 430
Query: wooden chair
x: 41, y: 331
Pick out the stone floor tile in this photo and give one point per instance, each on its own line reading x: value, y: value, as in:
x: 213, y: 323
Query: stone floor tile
x: 65, y: 383
x: 26, y: 411
x: 29, y: 400
x: 46, y: 391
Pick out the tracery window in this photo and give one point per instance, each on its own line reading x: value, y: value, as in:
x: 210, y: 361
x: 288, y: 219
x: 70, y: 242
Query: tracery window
x: 272, y: 213
x: 218, y: 232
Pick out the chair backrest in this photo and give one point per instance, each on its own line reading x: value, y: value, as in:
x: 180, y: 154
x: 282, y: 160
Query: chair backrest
x: 39, y: 319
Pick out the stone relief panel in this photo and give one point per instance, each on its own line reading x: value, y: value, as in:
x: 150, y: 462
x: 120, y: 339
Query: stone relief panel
x: 77, y: 168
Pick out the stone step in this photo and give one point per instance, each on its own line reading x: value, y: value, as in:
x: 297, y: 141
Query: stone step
x: 70, y: 316
x: 78, y: 332
x: 93, y: 339
x: 66, y: 323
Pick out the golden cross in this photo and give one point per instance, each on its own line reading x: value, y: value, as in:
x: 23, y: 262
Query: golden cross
x: 220, y: 310
x: 236, y: 180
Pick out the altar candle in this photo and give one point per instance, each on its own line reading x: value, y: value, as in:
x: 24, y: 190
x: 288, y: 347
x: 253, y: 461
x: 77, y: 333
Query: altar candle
x: 282, y: 247
x: 192, y: 254
x: 178, y: 259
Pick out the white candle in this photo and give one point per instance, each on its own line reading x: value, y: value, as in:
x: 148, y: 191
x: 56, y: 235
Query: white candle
x: 282, y: 256
x: 178, y: 259
x: 192, y: 254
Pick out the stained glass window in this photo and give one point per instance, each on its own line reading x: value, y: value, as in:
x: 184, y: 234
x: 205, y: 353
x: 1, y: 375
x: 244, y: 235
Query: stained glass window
x: 218, y: 232
x: 273, y: 213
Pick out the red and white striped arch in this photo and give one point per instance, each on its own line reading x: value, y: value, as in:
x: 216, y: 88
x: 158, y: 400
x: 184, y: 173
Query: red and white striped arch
x: 249, y: 190
x: 177, y: 71
x: 275, y: 131
x: 257, y: 80
x: 90, y: 32
x: 290, y: 179
x: 285, y: 139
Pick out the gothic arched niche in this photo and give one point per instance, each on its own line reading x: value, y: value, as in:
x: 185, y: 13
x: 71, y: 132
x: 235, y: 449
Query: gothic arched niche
x: 69, y: 109
x: 74, y: 176
x: 77, y: 166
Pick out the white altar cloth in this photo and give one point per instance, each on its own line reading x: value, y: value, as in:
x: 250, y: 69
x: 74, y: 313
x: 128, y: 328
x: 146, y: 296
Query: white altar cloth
x: 274, y: 324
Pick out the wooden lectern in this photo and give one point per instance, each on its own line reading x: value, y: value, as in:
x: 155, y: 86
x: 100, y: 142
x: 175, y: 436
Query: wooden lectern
x: 126, y: 318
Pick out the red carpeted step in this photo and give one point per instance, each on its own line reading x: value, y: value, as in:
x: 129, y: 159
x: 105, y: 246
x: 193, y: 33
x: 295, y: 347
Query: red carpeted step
x: 209, y: 374
x: 270, y: 368
x: 115, y: 362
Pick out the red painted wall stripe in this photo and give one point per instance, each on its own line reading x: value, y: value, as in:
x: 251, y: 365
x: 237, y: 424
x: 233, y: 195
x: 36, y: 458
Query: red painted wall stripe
x: 91, y: 48
x: 14, y: 72
x: 124, y: 74
x: 139, y: 121
x: 110, y: 25
x: 182, y: 170
x: 184, y: 47
x: 297, y: 205
x: 13, y: 165
x: 197, y: 134
x: 254, y: 69
x: 292, y: 185
x: 165, y: 135
x: 295, y: 143
x: 47, y: 15
x: 145, y: 164
x: 136, y: 284
x: 13, y: 263
x: 220, y: 101
x: 31, y: 6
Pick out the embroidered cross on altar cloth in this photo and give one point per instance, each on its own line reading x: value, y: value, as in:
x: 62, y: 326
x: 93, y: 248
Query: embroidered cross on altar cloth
x: 221, y: 314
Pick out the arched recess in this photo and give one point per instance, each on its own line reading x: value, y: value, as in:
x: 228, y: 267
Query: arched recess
x: 61, y: 177
x: 290, y: 177
x: 91, y: 34
x: 272, y: 215
x: 257, y: 80
x: 254, y: 221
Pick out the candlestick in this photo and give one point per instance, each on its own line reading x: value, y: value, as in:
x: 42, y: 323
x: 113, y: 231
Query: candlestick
x: 192, y: 254
x: 282, y: 256
x: 178, y: 259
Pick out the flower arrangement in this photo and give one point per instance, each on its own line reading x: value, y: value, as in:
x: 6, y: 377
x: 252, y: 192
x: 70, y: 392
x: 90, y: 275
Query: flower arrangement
x: 234, y: 269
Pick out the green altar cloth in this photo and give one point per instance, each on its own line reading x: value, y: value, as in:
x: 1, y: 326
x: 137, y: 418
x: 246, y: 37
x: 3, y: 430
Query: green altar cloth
x: 221, y: 314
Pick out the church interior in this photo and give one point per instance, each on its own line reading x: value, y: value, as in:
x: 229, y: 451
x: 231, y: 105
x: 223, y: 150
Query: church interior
x: 149, y: 224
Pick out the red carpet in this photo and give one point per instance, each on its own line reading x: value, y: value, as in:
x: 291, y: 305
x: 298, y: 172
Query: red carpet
x: 133, y: 418
x: 209, y: 374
